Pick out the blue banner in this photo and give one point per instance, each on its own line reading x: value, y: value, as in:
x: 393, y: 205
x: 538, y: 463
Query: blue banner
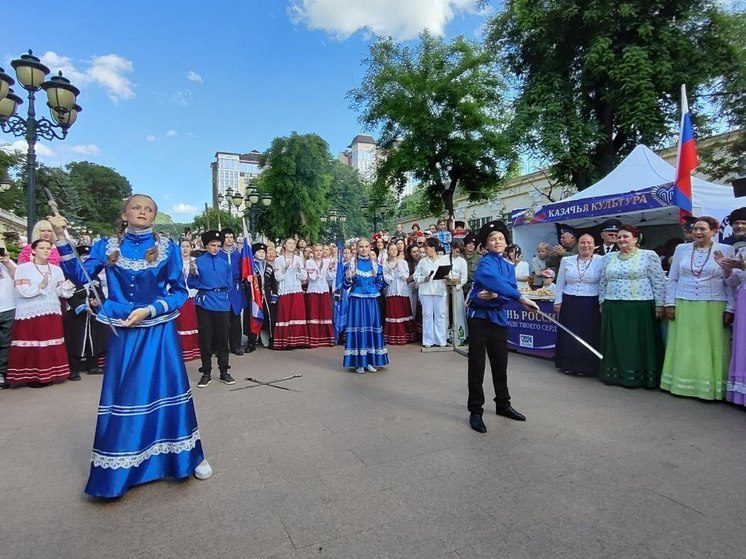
x: 660, y: 196
x: 529, y: 332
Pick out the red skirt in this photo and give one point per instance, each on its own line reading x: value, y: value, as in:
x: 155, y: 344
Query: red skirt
x: 38, y: 352
x: 399, y: 326
x: 291, y: 328
x: 186, y: 325
x: 319, y: 313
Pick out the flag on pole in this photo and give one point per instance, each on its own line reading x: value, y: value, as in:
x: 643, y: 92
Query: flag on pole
x: 340, y: 297
x: 247, y: 273
x: 686, y: 162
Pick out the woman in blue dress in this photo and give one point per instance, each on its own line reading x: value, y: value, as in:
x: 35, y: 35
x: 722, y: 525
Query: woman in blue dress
x: 147, y: 427
x: 365, y: 348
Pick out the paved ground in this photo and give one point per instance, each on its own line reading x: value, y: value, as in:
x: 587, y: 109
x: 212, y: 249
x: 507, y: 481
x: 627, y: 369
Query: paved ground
x: 385, y: 465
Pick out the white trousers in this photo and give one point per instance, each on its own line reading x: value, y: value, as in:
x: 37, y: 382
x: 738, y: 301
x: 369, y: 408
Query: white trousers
x: 433, y: 319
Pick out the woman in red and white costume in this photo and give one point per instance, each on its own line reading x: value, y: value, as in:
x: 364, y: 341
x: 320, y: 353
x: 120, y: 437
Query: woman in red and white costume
x: 38, y: 355
x: 291, y: 328
x: 398, y: 328
x: 321, y: 273
x: 186, y: 322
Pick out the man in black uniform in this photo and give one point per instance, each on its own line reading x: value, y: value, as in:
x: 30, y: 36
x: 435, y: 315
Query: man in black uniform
x: 85, y: 336
x: 264, y: 274
x: 608, y: 238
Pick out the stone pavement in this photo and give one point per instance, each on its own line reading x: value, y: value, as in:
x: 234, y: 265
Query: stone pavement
x: 384, y: 465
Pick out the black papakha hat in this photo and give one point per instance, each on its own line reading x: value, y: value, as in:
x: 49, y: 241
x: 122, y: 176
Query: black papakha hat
x: 258, y: 246
x: 491, y: 227
x: 212, y: 235
x: 83, y: 250
x: 738, y: 214
x: 470, y: 238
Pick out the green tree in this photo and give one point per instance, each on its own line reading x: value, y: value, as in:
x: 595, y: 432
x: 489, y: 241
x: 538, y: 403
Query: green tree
x: 348, y: 194
x: 441, y: 115
x: 414, y: 204
x: 596, y: 78
x: 297, y: 175
x: 214, y: 218
x: 14, y: 200
x: 100, y: 191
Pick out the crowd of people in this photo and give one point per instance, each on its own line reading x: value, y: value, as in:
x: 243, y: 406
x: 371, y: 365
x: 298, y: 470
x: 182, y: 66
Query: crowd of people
x: 137, y: 308
x: 615, y: 294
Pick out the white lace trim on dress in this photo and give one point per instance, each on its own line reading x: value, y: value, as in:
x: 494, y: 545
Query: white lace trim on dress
x: 117, y: 460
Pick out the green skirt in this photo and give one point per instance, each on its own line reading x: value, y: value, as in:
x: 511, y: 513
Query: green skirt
x: 697, y: 351
x: 632, y: 344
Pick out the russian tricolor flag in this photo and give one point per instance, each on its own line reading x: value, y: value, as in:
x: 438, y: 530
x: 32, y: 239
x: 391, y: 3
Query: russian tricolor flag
x: 247, y: 272
x: 686, y: 162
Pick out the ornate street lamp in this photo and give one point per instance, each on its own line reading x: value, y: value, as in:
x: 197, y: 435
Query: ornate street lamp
x: 63, y: 108
x: 256, y: 205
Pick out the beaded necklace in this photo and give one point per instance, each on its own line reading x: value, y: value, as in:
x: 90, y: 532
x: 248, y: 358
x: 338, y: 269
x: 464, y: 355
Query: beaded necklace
x: 584, y: 270
x: 698, y: 272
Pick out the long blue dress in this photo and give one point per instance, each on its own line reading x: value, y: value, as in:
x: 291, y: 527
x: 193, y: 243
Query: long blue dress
x: 147, y: 427
x: 364, y: 343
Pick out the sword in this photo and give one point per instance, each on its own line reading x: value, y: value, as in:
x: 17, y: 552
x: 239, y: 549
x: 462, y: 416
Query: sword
x: 580, y: 340
x: 56, y: 212
x: 268, y: 383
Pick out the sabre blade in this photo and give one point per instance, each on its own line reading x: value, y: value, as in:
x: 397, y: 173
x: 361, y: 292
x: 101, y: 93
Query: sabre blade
x: 580, y: 340
x: 56, y: 211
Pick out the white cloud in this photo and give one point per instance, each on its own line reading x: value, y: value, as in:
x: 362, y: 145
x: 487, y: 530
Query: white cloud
x: 401, y: 20
x: 150, y: 138
x: 184, y: 209
x: 86, y: 149
x: 41, y: 149
x: 193, y: 76
x: 108, y: 71
x: 171, y: 133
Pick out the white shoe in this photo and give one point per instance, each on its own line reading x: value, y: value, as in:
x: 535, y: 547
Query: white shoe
x: 203, y: 471
x: 360, y: 370
x: 372, y: 369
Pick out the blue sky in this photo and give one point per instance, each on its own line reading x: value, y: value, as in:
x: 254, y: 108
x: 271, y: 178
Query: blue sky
x: 165, y: 85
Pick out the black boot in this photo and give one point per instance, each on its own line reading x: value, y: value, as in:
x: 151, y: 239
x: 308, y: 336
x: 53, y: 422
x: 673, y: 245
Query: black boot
x: 475, y: 420
x: 510, y: 413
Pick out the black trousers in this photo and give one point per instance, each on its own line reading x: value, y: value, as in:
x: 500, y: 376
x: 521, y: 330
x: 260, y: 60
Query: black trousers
x: 6, y: 336
x: 213, y: 334
x: 487, y: 337
x: 235, y: 331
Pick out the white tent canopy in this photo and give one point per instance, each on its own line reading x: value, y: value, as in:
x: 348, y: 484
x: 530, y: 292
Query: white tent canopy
x: 642, y: 172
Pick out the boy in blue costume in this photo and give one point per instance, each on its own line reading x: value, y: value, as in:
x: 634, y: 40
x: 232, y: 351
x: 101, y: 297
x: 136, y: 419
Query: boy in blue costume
x: 211, y: 275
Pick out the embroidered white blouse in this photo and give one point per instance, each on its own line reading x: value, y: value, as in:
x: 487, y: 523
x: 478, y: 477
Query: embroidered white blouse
x: 580, y: 278
x: 289, y: 274
x: 637, y: 278
x: 320, y: 276
x: 695, y: 276
x: 422, y: 272
x: 33, y: 301
x: 396, y: 278
x: 737, y: 278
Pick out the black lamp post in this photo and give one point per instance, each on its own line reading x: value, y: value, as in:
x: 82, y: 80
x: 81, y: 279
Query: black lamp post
x: 256, y: 204
x: 333, y: 217
x: 61, y: 100
x: 374, y: 214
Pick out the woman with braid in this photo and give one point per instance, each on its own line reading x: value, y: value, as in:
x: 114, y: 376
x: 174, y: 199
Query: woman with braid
x: 146, y: 428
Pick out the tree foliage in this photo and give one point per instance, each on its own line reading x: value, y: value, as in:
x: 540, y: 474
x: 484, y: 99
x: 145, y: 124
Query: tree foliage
x: 87, y: 193
x: 596, y: 78
x: 441, y: 115
x: 348, y: 194
x: 297, y: 176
